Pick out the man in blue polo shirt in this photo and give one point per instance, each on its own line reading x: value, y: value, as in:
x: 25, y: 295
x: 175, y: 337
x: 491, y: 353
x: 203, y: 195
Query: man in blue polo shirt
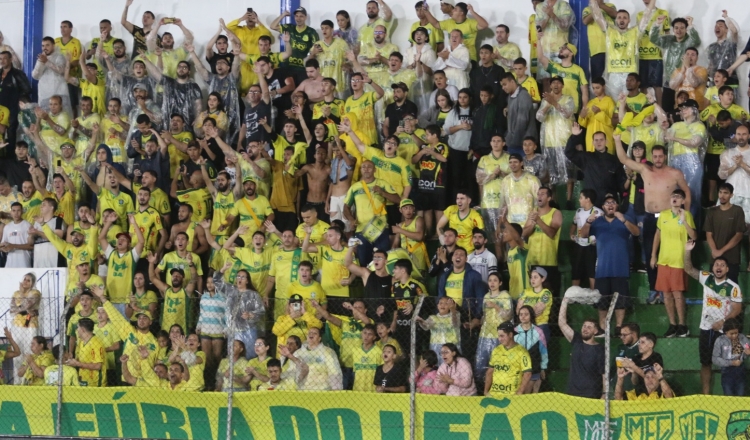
x: 612, y: 231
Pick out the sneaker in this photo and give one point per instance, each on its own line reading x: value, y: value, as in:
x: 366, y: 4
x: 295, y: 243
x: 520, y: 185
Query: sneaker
x: 616, y: 334
x: 653, y: 297
x: 641, y: 271
x: 682, y: 331
x: 671, y: 331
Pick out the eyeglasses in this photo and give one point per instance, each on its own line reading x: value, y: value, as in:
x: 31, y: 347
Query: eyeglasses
x: 610, y: 202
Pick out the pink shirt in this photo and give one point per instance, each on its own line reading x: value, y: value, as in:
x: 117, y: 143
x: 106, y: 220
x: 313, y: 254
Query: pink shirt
x: 427, y: 383
x: 462, y: 376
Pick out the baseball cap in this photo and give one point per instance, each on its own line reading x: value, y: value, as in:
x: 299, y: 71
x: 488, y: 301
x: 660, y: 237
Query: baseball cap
x: 178, y: 270
x: 572, y: 48
x: 540, y: 270
x: 516, y: 156
x: 65, y: 142
x: 78, y: 231
x: 423, y: 30
x: 689, y: 103
x: 507, y: 327
x: 301, y: 9
x: 449, y: 2
x: 125, y: 234
x: 406, y: 202
x: 296, y: 298
x: 145, y: 313
x: 400, y: 85
x: 140, y: 85
x: 610, y: 196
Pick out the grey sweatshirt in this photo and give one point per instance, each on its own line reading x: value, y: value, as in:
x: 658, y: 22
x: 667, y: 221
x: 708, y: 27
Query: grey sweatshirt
x: 521, y: 118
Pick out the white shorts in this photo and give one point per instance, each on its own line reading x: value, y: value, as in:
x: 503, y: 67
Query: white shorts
x: 337, y: 210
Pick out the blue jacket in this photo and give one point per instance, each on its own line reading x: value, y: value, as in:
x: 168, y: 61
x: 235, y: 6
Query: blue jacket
x: 473, y: 293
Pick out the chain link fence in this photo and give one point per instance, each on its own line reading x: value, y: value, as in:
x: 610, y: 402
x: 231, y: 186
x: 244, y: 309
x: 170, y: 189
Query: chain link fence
x: 366, y: 368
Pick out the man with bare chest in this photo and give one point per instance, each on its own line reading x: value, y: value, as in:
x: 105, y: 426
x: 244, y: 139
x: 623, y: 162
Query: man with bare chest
x: 659, y: 181
x: 341, y: 173
x: 317, y: 182
x: 313, y: 85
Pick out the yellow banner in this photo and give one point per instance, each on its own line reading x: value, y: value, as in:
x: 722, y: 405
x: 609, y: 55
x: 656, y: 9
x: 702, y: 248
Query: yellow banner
x: 154, y: 413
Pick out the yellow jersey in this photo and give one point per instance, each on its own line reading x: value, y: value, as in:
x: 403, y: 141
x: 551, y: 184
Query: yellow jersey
x: 454, y: 287
x: 108, y: 336
x: 110, y: 133
x: 394, y: 170
x: 333, y: 270
x: 542, y: 249
x: 364, y: 364
x: 121, y: 203
x: 175, y: 154
x: 92, y: 352
x: 646, y: 49
x: 96, y: 91
x: 531, y: 86
x: 224, y: 207
x: 308, y: 292
x: 673, y: 234
x: 177, y: 307
x: 597, y: 40
x: 574, y: 79
x: 73, y: 48
x: 518, y: 271
x: 366, y: 33
x: 149, y: 222
x: 31, y: 207
x: 120, y: 273
x: 468, y: 29
x: 368, y: 206
x: 66, y: 207
x: 252, y: 214
x: 532, y: 298
x: 332, y: 61
x: 508, y: 367
x: 285, y: 270
x: 364, y: 109
x: 201, y: 201
x: 464, y: 225
x: 172, y: 260
x: 622, y: 50
x: 316, y: 236
x: 82, y: 141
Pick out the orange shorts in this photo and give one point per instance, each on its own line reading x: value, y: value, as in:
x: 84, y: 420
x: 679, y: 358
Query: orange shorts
x: 670, y: 279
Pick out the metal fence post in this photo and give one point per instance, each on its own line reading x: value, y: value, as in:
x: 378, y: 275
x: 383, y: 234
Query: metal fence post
x: 412, y: 369
x: 230, y: 359
x: 60, y: 370
x: 607, y: 364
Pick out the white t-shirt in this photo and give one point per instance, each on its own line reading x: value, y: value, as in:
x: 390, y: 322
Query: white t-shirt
x: 484, y: 263
x: 717, y: 299
x: 580, y: 221
x: 17, y: 233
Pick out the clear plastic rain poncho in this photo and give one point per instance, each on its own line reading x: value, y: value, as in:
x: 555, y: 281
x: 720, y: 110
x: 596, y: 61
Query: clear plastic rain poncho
x: 227, y: 88
x: 245, y: 310
x: 185, y: 99
x: 558, y: 31
x: 492, y: 200
x: 672, y: 49
x: 121, y: 87
x: 721, y: 55
x: 26, y: 117
x: 519, y: 195
x: 687, y: 156
x: 739, y: 179
x: 491, y: 319
x: 420, y: 92
x: 555, y: 131
x: 51, y: 77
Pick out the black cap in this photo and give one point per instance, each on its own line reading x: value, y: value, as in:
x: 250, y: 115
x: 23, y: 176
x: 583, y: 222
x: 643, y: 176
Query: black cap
x: 610, y: 196
x: 421, y: 29
x: 178, y: 270
x: 516, y: 156
x: 296, y: 298
x: 400, y: 85
x: 689, y: 103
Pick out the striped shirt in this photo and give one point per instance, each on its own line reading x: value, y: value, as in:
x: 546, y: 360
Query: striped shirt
x: 212, y: 318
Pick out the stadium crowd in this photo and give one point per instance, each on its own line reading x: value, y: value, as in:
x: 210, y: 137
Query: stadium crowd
x: 286, y: 200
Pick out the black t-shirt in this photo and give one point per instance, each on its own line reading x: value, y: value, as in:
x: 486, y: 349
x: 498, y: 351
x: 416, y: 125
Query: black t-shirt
x: 229, y: 57
x: 278, y: 81
x: 396, y: 113
x: 586, y: 369
x: 253, y: 130
x: 395, y: 377
x: 649, y: 362
x: 139, y: 41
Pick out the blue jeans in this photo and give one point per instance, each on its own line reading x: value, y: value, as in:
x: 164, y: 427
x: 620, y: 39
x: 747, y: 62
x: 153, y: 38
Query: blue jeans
x: 733, y: 381
x: 482, y: 360
x: 364, y: 251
